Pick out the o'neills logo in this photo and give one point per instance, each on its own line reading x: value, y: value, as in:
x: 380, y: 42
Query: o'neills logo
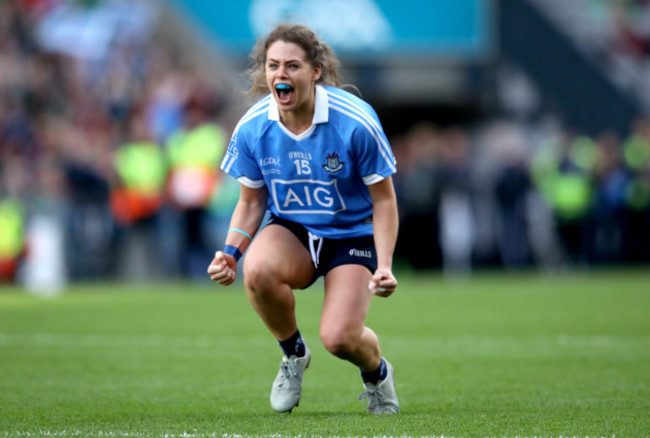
x: 359, y: 253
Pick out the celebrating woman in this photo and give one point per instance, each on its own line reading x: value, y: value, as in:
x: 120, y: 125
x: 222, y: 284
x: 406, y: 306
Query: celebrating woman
x: 316, y: 158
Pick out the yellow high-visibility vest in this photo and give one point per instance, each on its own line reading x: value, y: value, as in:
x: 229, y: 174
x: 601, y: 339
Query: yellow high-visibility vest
x: 194, y: 158
x: 572, y: 194
x: 141, y: 167
x: 636, y: 153
x: 12, y: 238
x: 200, y: 147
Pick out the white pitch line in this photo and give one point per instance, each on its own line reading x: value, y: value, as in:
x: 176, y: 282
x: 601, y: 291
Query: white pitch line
x: 65, y: 340
x: 120, y: 341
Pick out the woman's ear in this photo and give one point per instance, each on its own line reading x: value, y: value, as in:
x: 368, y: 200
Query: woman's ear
x: 318, y: 70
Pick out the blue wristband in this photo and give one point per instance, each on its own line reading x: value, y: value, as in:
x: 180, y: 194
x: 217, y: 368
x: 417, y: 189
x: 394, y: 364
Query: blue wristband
x: 233, y: 251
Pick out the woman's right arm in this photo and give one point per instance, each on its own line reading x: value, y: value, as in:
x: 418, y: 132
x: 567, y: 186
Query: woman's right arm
x: 244, y: 223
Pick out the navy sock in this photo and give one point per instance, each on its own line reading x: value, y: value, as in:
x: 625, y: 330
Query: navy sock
x: 294, y: 346
x: 375, y: 376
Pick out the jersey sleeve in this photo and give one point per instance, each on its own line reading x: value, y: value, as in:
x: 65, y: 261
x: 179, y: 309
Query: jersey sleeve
x: 375, y: 159
x: 240, y: 163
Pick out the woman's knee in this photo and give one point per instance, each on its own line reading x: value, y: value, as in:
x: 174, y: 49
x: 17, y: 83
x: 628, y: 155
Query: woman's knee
x: 259, y: 276
x: 341, y: 343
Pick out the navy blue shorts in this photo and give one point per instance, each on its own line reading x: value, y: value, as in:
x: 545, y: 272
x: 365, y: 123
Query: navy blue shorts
x: 327, y: 254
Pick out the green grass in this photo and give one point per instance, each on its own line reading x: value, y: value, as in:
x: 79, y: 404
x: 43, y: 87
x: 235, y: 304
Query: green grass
x: 495, y: 355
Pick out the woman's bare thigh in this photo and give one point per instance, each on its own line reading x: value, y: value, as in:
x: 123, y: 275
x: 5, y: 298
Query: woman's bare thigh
x: 277, y: 251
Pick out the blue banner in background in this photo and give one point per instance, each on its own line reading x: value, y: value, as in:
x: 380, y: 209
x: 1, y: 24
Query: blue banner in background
x: 355, y: 28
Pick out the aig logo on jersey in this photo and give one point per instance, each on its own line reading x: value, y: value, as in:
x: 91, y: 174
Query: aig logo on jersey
x: 307, y: 196
x: 333, y: 164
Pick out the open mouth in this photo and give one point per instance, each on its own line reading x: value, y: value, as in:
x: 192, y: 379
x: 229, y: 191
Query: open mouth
x: 284, y: 92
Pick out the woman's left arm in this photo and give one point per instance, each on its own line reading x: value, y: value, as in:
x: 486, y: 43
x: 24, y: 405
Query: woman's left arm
x: 385, y: 225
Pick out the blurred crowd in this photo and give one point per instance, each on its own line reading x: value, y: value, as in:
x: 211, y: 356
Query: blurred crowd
x: 110, y: 147
x: 101, y: 128
x: 515, y: 195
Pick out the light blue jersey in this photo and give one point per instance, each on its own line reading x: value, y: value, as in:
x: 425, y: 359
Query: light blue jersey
x: 318, y: 178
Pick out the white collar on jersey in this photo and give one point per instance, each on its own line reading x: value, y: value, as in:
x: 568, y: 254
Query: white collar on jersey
x: 321, y: 108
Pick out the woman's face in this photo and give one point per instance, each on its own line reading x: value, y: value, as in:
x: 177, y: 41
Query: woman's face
x: 290, y: 77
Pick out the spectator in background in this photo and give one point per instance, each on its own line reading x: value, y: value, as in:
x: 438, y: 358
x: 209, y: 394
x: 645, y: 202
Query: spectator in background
x: 12, y: 237
x: 636, y: 157
x: 87, y: 165
x: 169, y: 91
x: 194, y: 154
x: 45, y: 269
x: 456, y: 213
x: 417, y: 187
x: 511, y: 193
x: 606, y: 222
x: 13, y: 215
x: 137, y: 195
x: 564, y: 175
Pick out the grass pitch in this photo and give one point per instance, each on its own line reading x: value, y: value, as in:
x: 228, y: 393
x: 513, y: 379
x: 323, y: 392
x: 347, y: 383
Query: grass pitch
x: 495, y: 355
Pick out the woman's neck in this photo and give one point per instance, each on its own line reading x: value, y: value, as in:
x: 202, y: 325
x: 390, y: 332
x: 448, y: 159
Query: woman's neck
x: 296, y: 125
x: 300, y: 119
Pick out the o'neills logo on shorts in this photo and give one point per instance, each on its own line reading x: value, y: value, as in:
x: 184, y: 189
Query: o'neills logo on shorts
x: 359, y: 253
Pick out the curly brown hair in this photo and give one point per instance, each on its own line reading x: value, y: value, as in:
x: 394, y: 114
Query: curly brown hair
x: 317, y: 52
